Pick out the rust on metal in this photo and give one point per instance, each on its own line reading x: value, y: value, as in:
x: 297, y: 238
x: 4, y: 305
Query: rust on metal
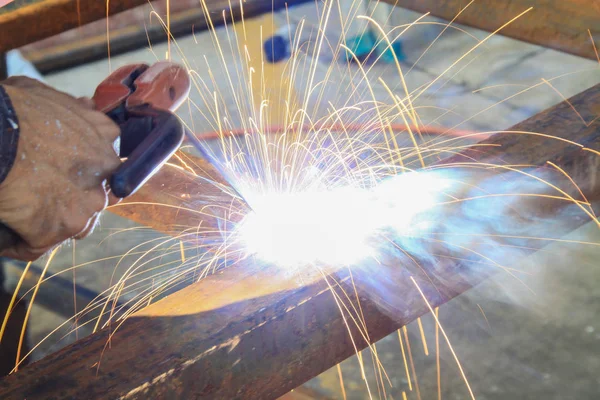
x: 174, y: 198
x: 247, y: 334
x: 46, y: 18
x: 557, y: 24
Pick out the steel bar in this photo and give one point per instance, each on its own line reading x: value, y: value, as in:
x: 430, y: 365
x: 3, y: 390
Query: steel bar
x: 560, y: 25
x: 69, y: 54
x: 136, y: 28
x: 173, y: 199
x: 57, y: 294
x: 253, y: 333
x: 51, y: 17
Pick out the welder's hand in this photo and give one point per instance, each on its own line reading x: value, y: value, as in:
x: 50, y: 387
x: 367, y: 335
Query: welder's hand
x: 58, y: 183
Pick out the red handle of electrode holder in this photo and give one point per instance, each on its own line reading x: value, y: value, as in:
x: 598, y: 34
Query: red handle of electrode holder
x: 139, y: 99
x: 164, y: 85
x: 113, y: 91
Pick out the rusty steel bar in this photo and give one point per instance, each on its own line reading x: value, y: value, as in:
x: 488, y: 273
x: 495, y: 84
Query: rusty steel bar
x: 251, y: 333
x: 168, y: 202
x: 46, y: 18
x: 557, y: 24
x: 135, y: 28
x: 54, y: 57
x: 57, y: 294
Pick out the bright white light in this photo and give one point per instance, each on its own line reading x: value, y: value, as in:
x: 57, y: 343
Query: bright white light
x: 300, y: 228
x: 334, y: 227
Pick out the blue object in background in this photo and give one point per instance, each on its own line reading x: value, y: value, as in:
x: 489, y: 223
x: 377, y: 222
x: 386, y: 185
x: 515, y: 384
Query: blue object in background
x: 276, y: 48
x: 388, y: 54
x: 361, y: 46
x: 367, y: 46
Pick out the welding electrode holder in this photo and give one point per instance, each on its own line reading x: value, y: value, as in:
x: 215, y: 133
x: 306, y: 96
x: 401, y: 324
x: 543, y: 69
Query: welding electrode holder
x: 145, y: 152
x: 149, y: 137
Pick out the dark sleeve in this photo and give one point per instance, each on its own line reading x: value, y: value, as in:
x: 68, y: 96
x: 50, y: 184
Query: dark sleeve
x: 9, y: 134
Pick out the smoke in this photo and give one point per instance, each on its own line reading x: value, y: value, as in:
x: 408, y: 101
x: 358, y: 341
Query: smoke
x: 482, y: 222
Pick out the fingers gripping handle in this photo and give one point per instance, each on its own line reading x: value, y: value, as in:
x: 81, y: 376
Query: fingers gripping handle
x: 131, y: 96
x: 145, y: 152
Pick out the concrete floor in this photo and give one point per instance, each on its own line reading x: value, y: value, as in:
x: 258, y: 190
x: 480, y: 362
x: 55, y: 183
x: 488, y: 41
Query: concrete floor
x: 512, y: 343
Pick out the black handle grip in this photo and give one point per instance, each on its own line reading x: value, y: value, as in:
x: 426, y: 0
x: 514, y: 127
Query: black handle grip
x: 149, y: 137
